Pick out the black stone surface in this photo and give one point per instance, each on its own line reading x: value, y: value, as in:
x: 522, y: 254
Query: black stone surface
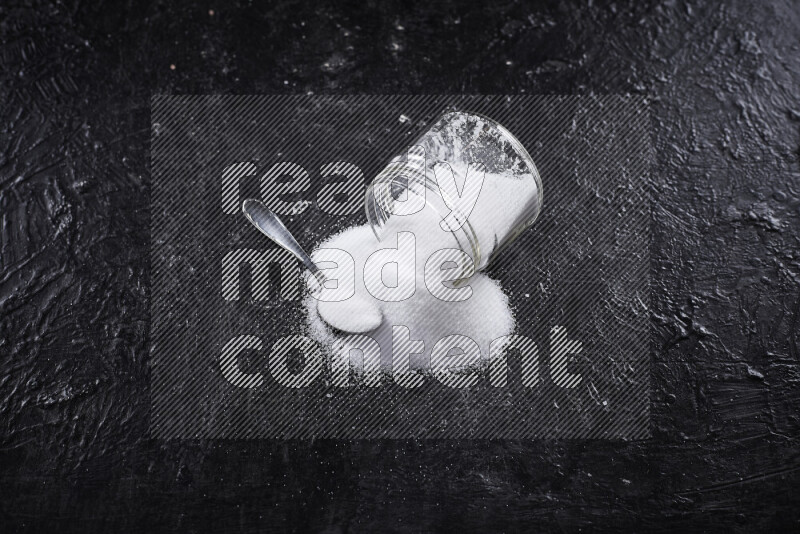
x: 74, y: 273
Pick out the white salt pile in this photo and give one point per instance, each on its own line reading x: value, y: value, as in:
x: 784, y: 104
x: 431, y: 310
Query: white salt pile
x: 484, y: 317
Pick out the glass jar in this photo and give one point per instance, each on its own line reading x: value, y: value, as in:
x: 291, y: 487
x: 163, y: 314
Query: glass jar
x: 441, y: 173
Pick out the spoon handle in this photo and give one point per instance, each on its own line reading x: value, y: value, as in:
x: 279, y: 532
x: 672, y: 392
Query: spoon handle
x: 272, y: 227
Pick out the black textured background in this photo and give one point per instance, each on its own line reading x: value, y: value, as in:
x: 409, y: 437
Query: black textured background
x: 74, y: 179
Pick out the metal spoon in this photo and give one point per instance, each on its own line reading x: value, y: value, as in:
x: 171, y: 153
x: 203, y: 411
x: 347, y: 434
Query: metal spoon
x: 271, y: 226
x: 354, y: 315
